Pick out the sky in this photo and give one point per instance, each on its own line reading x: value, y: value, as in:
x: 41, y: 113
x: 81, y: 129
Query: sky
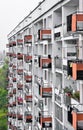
x: 11, y: 13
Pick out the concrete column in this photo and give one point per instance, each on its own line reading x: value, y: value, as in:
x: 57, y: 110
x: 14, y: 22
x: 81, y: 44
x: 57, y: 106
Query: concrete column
x: 81, y: 52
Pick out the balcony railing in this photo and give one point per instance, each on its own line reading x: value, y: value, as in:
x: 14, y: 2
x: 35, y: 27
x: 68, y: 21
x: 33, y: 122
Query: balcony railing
x: 46, y: 92
x: 19, y: 41
x: 45, y: 121
x: 77, y: 117
x: 75, y: 22
x: 20, y: 56
x: 20, y: 71
x: 28, y: 78
x: 28, y: 98
x: 20, y: 116
x: 28, y: 117
x: 20, y: 86
x: 14, y: 79
x: 45, y: 63
x: 28, y: 58
x: 44, y: 34
x: 13, y: 115
x: 14, y: 103
x: 27, y: 39
x: 75, y: 69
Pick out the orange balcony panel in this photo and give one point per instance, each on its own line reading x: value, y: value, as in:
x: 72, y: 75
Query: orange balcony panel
x: 20, y: 117
x: 77, y: 71
x: 27, y: 58
x: 19, y: 56
x: 28, y: 39
x: 76, y: 18
x: 45, y: 63
x: 28, y: 117
x: 28, y: 78
x: 77, y: 116
x: 45, y: 34
x: 20, y: 86
x: 28, y: 98
x: 14, y: 79
x: 46, y: 122
x: 19, y: 41
x: 20, y: 71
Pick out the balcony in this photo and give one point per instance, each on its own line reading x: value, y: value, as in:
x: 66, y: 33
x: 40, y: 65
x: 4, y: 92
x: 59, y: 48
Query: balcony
x: 28, y: 58
x: 44, y: 34
x: 20, y: 101
x: 9, y: 115
x: 28, y: 117
x: 28, y: 78
x: 27, y: 39
x: 19, y: 71
x: 19, y: 116
x: 75, y: 69
x: 45, y: 121
x: 46, y: 92
x: 28, y: 98
x: 45, y: 63
x: 20, y: 56
x: 19, y: 41
x: 75, y: 22
x: 13, y: 115
x: 14, y: 79
x: 77, y: 118
x: 13, y: 67
x: 14, y: 103
x: 20, y: 86
x: 14, y: 91
x: 7, y: 45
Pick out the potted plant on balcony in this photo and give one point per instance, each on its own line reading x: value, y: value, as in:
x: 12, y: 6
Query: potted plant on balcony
x: 76, y: 95
x: 68, y: 91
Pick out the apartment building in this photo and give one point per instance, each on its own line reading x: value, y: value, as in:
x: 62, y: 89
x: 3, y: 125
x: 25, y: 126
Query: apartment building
x: 45, y: 89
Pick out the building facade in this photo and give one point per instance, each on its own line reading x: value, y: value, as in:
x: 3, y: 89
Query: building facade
x: 45, y: 89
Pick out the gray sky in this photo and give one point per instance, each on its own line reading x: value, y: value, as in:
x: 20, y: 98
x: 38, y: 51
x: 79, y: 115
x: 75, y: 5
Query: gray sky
x: 11, y: 13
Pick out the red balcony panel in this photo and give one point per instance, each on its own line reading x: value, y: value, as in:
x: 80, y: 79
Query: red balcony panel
x: 77, y: 20
x: 20, y: 71
x: 20, y: 117
x: 45, y: 34
x: 14, y: 91
x: 77, y: 71
x: 28, y: 118
x: 27, y: 39
x: 10, y: 94
x: 14, y: 43
x: 28, y: 78
x: 45, y: 62
x: 46, y: 92
x: 14, y: 79
x: 11, y: 44
x: 76, y: 117
x: 19, y: 41
x: 28, y: 58
x: 9, y: 115
x: 19, y: 56
x: 20, y: 86
x: 46, y: 122
x: 28, y: 98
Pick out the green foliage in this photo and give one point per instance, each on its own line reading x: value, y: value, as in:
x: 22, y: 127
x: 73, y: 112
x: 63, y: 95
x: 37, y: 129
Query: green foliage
x: 3, y: 95
x: 76, y: 95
